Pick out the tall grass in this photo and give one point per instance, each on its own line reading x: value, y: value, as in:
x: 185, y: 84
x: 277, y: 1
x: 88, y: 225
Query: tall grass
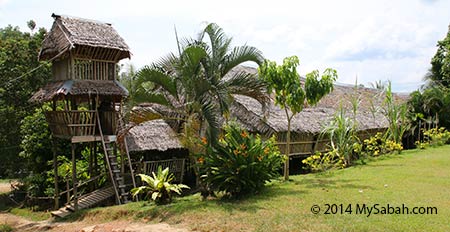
x: 396, y: 114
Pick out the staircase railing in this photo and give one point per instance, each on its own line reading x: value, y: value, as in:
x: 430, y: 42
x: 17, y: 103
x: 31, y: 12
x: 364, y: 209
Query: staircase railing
x: 108, y: 162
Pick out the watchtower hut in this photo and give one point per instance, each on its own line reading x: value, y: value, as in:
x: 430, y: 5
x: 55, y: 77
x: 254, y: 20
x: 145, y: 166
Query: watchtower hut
x: 86, y: 97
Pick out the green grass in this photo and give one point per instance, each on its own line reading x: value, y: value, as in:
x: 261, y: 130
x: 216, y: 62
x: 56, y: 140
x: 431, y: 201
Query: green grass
x: 29, y: 214
x: 5, y: 228
x: 413, y: 178
x: 2, y: 181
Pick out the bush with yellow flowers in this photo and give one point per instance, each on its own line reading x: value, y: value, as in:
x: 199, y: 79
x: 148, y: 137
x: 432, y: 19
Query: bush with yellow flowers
x: 241, y: 163
x: 436, y: 137
x: 378, y: 145
x: 321, y: 162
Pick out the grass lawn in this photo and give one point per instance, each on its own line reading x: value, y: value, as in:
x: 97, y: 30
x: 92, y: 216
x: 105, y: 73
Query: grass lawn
x: 414, y: 178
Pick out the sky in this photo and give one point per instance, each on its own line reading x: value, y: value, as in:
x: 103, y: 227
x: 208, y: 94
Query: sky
x: 365, y: 41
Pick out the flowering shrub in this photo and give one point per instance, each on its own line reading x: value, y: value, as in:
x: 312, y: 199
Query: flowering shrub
x: 374, y: 146
x: 320, y: 162
x: 240, y: 164
x: 378, y: 145
x: 434, y: 137
x: 437, y: 136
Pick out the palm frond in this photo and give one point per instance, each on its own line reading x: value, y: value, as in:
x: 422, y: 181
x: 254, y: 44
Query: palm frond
x: 165, y: 63
x: 219, y: 43
x: 240, y: 55
x: 210, y: 113
x: 190, y: 60
x: 149, y: 74
x: 247, y: 84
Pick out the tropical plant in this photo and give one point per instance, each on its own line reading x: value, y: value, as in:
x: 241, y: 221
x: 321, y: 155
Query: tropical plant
x: 240, y: 164
x: 396, y: 114
x: 379, y: 85
x: 342, y: 131
x: 197, y: 85
x: 290, y: 94
x: 323, y: 162
x: 159, y: 187
x: 434, y: 137
x: 378, y: 145
x: 433, y: 99
x: 127, y: 78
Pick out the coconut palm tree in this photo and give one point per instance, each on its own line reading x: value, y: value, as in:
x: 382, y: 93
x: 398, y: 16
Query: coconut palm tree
x: 196, y: 87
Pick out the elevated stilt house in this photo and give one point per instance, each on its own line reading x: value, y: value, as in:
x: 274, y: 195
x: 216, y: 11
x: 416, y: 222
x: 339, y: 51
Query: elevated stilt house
x: 85, y: 97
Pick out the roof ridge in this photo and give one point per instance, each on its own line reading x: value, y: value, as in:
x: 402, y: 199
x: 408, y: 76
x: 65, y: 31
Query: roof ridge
x: 80, y: 19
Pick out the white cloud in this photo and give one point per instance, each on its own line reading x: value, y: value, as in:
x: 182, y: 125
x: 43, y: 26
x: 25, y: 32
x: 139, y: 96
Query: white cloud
x: 371, y: 39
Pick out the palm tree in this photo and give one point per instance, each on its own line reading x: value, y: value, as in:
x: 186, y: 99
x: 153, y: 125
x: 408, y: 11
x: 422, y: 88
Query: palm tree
x: 196, y: 87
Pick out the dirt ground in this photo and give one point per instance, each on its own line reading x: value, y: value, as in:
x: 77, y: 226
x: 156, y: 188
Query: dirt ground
x: 21, y: 224
x: 5, y: 187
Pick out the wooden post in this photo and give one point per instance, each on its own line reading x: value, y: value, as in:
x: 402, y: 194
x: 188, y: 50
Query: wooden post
x: 96, y: 172
x: 74, y: 178
x: 55, y: 170
x: 90, y: 166
x: 68, y: 192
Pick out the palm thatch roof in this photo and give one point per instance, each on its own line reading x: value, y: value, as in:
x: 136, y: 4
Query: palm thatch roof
x: 249, y: 113
x: 59, y: 89
x: 152, y: 135
x: 68, y: 33
x: 311, y: 120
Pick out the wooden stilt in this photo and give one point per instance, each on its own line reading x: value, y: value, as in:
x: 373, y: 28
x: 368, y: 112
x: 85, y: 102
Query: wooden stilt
x: 90, y: 166
x: 55, y: 170
x: 74, y: 178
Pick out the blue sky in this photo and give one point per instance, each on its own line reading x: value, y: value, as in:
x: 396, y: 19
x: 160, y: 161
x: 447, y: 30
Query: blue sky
x: 363, y: 40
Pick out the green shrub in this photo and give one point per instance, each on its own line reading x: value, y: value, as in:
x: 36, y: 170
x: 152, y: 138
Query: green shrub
x: 333, y: 159
x: 321, y: 162
x: 434, y: 137
x: 437, y: 136
x: 158, y: 188
x: 378, y: 145
x: 240, y: 164
x: 342, y: 131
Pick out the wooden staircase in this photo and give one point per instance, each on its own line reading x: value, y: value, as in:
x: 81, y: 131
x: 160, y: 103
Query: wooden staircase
x: 122, y: 195
x: 85, y: 201
x: 118, y: 188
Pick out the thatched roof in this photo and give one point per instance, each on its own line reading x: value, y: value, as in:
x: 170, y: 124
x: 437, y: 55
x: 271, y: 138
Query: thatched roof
x: 249, y: 113
x: 59, y: 89
x: 311, y: 120
x: 157, y: 135
x: 68, y: 33
x: 152, y: 135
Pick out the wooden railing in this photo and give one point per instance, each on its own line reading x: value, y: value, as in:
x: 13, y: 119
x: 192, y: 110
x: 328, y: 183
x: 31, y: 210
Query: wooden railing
x: 67, y: 124
x: 304, y: 148
x: 72, y: 123
x: 94, y: 70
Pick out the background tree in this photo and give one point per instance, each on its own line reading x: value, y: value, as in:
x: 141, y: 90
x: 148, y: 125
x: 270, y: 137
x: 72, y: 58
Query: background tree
x: 440, y: 63
x: 432, y: 102
x: 290, y: 94
x: 20, y: 77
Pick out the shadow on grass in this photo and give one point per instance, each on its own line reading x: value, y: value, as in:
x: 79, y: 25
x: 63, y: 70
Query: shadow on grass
x: 182, y: 205
x: 328, y: 182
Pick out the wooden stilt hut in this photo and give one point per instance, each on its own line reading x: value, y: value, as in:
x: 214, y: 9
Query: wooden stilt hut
x: 86, y: 97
